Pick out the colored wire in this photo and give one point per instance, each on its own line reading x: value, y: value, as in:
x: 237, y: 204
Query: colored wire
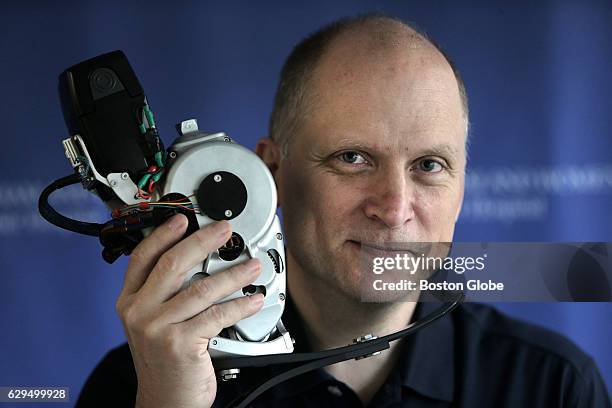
x: 148, y: 206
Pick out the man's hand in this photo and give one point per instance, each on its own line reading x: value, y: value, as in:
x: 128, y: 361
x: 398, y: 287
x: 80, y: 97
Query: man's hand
x: 168, y: 330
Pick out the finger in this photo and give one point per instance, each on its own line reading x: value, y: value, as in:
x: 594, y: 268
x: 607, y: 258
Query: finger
x: 203, y: 293
x: 169, y: 272
x: 211, y: 321
x: 146, y: 254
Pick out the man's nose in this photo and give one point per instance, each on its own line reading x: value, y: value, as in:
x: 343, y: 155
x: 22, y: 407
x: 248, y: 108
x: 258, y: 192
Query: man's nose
x: 391, y: 200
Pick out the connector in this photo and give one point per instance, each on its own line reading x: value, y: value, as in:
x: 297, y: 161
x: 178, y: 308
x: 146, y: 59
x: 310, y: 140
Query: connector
x: 72, y: 152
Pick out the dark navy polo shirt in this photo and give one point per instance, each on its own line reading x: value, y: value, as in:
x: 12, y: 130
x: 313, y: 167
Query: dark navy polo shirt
x: 473, y: 357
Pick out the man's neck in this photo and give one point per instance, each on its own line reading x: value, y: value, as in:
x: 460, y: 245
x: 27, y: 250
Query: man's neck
x: 333, y: 319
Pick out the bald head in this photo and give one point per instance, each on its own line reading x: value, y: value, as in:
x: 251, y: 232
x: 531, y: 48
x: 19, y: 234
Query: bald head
x: 376, y: 33
x: 347, y: 50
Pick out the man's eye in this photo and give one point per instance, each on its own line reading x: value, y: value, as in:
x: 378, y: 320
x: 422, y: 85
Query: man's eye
x: 352, y: 158
x: 430, y: 166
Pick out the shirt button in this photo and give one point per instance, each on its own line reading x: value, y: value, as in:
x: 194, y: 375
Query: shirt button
x: 334, y: 390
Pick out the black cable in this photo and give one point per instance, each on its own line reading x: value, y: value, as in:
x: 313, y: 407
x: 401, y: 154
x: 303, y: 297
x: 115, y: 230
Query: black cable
x: 321, y: 359
x: 55, y: 218
x: 242, y: 401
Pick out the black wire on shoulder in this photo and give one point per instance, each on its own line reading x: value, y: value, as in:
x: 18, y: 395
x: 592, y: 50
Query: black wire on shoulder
x: 321, y: 359
x: 55, y: 218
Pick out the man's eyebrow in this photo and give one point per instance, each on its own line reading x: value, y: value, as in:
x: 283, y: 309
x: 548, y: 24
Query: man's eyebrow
x: 436, y: 150
x: 347, y: 143
x: 440, y: 150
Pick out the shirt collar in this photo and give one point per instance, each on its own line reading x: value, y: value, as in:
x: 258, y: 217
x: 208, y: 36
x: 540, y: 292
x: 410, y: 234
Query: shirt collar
x: 304, y: 382
x: 426, y: 364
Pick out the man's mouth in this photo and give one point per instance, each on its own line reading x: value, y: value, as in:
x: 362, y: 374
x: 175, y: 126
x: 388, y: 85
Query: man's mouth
x: 391, y: 249
x: 381, y: 249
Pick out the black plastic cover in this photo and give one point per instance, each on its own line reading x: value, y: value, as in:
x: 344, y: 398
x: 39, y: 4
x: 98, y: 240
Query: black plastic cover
x: 101, y: 99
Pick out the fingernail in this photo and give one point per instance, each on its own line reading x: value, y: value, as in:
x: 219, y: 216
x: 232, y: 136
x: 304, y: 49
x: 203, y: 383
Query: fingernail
x: 176, y: 222
x: 253, y: 265
x: 221, y: 227
x: 256, y: 299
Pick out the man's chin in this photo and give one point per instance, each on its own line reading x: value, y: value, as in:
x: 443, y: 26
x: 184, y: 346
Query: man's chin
x: 356, y: 283
x: 357, y: 280
x: 363, y: 291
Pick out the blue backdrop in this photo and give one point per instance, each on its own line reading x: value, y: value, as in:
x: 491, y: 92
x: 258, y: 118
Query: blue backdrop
x: 538, y: 76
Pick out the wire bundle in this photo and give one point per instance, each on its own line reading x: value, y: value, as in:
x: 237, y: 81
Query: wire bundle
x: 148, y: 182
x: 182, y: 203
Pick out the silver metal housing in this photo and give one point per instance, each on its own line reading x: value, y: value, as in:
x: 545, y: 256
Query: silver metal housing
x: 197, y: 156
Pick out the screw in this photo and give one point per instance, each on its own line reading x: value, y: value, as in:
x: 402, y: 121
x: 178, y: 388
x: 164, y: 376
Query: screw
x: 279, y: 236
x: 124, y: 176
x: 217, y: 177
x: 113, y: 183
x: 228, y: 213
x: 281, y: 296
x: 214, y: 342
x: 364, y: 339
x: 172, y: 155
x: 229, y: 374
x: 227, y: 139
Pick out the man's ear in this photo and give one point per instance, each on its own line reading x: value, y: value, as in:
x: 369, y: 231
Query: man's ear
x: 269, y: 151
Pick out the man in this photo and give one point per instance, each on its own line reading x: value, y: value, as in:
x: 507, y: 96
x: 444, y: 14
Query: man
x: 367, y: 147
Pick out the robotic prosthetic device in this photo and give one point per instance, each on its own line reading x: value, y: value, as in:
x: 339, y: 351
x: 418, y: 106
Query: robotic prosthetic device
x: 206, y: 176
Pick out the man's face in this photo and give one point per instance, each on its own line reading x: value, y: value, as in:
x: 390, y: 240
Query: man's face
x: 379, y: 159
